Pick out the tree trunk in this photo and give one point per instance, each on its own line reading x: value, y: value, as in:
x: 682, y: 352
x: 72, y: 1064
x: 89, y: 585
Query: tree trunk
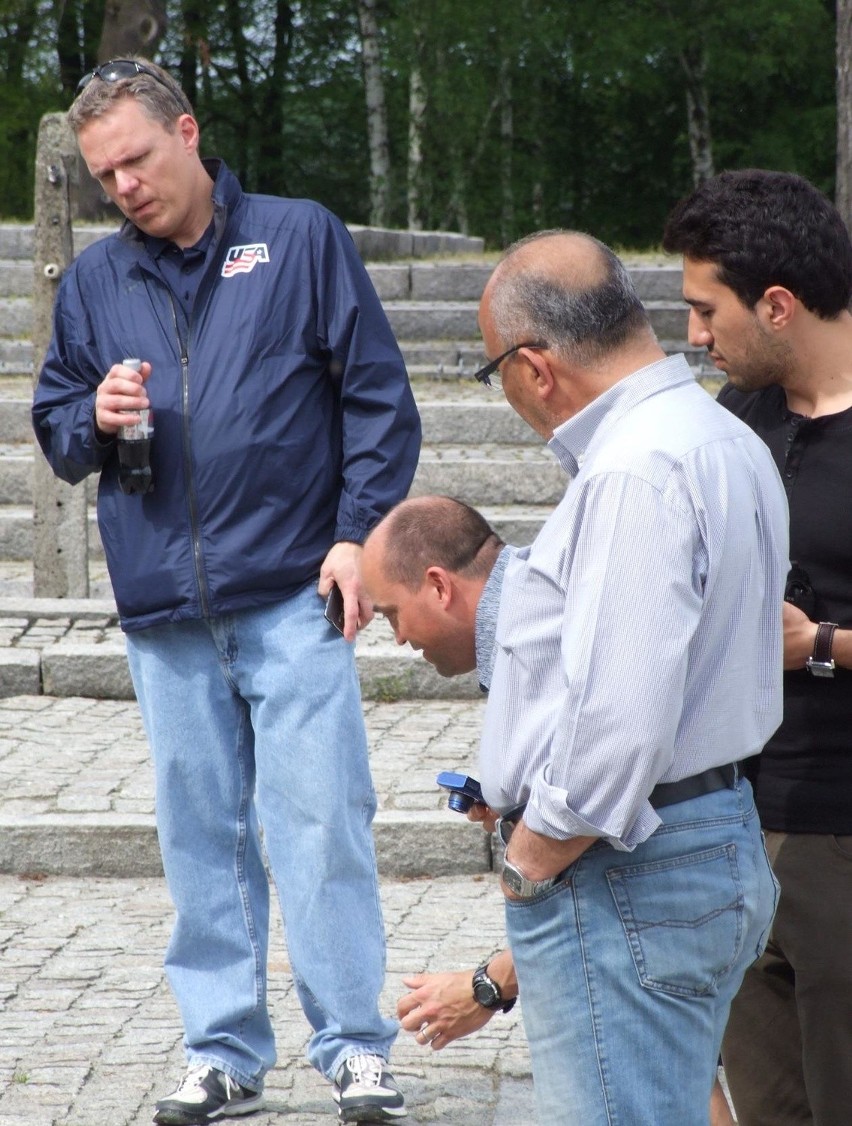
x: 272, y: 158
x: 457, y: 208
x: 416, y: 123
x: 507, y: 210
x: 843, y: 190
x: 130, y: 27
x: 60, y: 514
x: 377, y: 118
x: 693, y: 60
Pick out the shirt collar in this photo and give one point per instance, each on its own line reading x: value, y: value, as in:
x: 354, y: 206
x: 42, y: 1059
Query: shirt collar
x: 486, y: 618
x: 572, y: 438
x: 159, y: 246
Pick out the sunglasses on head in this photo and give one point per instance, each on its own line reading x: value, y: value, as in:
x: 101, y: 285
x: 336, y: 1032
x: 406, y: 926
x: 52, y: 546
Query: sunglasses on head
x: 115, y: 70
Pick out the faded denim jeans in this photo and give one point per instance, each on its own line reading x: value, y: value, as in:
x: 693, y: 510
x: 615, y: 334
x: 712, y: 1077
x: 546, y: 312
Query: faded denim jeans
x: 254, y: 718
x: 627, y: 968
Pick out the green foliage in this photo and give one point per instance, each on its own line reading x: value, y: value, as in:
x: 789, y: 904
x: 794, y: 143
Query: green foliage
x: 597, y: 135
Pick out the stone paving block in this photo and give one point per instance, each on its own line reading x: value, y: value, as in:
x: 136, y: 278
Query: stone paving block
x: 80, y: 844
x: 20, y: 672
x: 87, y: 670
x: 429, y: 844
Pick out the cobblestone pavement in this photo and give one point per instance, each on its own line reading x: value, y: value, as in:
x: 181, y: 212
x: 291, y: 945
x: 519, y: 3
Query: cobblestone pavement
x: 73, y: 755
x: 90, y: 1035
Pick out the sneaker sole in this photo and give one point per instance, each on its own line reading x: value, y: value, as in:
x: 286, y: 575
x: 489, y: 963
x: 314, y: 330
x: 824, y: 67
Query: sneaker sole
x: 371, y: 1114
x: 244, y: 1107
x: 187, y: 1118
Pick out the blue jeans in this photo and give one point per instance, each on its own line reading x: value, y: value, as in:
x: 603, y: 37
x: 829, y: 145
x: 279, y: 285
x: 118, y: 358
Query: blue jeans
x: 627, y: 968
x: 254, y: 719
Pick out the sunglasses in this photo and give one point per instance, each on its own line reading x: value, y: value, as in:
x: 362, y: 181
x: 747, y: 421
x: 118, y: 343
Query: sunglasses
x: 115, y: 70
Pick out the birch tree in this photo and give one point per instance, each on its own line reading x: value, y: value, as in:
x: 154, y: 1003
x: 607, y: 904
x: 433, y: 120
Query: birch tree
x: 377, y: 118
x: 843, y: 190
x: 693, y: 61
x: 416, y: 122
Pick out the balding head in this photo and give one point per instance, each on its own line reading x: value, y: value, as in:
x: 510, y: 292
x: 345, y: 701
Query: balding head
x: 424, y: 567
x: 568, y: 289
x: 435, y: 531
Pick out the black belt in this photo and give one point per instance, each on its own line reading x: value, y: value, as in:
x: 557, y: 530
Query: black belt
x: 716, y: 778
x: 667, y: 793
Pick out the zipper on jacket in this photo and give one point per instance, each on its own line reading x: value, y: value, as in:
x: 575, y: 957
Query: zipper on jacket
x: 195, y: 531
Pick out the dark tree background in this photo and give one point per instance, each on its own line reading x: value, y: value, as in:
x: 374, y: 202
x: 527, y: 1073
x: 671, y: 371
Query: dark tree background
x: 504, y: 116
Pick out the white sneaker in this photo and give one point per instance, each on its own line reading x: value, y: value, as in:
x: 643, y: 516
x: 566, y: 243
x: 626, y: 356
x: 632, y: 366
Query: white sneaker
x: 203, y: 1095
x: 366, y: 1091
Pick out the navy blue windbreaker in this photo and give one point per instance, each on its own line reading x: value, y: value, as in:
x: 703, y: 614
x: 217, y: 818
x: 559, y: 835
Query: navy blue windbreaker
x: 283, y: 416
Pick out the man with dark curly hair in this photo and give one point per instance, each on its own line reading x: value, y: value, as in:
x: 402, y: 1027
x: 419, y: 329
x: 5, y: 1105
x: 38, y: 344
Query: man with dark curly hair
x: 768, y: 278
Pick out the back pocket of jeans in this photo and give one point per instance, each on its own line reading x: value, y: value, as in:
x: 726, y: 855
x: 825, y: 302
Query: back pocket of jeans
x: 682, y: 917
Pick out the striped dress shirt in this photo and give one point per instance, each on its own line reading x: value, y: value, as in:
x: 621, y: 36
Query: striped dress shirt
x: 639, y: 638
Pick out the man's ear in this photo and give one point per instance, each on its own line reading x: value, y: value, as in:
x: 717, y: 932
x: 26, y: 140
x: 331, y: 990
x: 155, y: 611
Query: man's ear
x: 542, y: 373
x: 441, y: 586
x: 777, y: 306
x: 189, y: 131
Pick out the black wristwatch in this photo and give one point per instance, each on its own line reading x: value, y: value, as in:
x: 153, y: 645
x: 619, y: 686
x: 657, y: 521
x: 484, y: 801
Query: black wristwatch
x: 487, y: 992
x: 820, y: 663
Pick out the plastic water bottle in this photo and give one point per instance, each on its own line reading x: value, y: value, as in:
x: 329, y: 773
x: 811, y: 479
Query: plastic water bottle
x: 134, y: 448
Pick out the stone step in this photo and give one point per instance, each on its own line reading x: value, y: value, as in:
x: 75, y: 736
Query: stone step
x: 413, y: 321
x: 409, y: 320
x: 425, y: 359
x: 16, y: 317
x: 16, y: 474
x: 481, y: 473
x: 70, y: 647
x: 517, y: 524
x: 15, y: 420
x: 373, y: 243
x: 16, y: 277
x: 485, y: 474
x: 16, y: 579
x: 450, y: 413
x: 79, y: 792
x: 444, y: 277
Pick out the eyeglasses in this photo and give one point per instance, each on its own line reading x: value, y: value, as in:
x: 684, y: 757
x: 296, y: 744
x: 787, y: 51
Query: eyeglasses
x: 491, y: 370
x: 115, y: 70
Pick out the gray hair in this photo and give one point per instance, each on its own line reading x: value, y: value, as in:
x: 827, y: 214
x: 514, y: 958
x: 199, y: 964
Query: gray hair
x: 579, y: 322
x: 159, y: 96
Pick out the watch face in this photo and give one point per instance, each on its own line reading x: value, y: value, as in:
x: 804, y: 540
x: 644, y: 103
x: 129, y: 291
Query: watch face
x: 486, y: 994
x: 512, y: 878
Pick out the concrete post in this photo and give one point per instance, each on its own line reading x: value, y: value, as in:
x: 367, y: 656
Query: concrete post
x: 60, y: 517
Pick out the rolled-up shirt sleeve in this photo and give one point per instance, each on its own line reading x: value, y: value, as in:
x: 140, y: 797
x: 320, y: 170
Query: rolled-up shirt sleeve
x: 609, y: 675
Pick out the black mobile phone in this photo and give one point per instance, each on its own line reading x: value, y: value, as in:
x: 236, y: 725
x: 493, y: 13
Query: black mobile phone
x: 334, y: 608
x: 464, y: 791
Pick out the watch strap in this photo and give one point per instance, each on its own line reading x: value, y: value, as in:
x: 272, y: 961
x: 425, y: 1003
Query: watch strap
x: 481, y: 974
x: 820, y: 663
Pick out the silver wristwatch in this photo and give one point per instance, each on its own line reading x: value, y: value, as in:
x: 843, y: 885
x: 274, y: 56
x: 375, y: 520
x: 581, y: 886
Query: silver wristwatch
x: 513, y: 877
x: 520, y: 885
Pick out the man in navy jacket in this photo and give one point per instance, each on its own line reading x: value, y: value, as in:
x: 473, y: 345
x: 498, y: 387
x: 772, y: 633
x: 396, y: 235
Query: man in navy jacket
x: 284, y: 427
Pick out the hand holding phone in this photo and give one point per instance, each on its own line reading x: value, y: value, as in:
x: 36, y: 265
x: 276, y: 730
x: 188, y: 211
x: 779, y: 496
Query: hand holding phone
x: 334, y: 608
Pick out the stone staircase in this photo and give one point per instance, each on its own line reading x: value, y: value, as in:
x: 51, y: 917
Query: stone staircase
x: 475, y: 448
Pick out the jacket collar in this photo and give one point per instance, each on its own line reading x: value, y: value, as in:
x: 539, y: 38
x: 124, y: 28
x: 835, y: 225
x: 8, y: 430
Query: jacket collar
x: 227, y: 194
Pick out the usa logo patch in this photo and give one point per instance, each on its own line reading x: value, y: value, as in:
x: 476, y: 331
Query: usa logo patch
x: 243, y: 259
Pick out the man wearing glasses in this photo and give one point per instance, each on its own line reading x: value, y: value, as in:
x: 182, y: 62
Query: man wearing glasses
x: 284, y: 427
x: 638, y: 658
